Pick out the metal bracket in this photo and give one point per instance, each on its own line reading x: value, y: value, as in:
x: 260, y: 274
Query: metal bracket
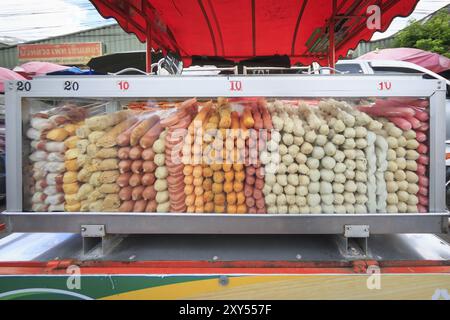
x: 356, y: 231
x: 93, y: 230
x: 355, y: 241
x: 96, y: 242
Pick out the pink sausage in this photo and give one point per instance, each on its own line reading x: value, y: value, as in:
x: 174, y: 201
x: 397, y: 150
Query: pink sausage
x: 414, y: 122
x: 423, y: 200
x: 421, y: 115
x: 421, y: 209
x: 422, y: 148
x: 387, y: 111
x: 423, y: 181
x: 421, y: 169
x: 420, y: 136
x: 423, y: 160
x: 423, y: 191
x: 423, y: 127
x: 401, y: 123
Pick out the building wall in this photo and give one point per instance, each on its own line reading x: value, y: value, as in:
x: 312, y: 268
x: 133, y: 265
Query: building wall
x: 365, y: 47
x: 113, y: 38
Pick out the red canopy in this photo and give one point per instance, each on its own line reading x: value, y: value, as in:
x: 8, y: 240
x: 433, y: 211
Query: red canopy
x: 242, y: 29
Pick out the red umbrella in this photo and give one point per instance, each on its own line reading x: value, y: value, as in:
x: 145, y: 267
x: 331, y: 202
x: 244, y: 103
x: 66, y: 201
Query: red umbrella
x: 430, y: 60
x: 6, y: 74
x: 34, y: 68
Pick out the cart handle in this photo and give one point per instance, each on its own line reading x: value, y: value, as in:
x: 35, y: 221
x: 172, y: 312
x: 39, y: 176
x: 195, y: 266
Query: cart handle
x: 328, y: 68
x: 127, y: 70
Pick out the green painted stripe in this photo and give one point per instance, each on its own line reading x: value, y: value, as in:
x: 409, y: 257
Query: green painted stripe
x: 94, y: 286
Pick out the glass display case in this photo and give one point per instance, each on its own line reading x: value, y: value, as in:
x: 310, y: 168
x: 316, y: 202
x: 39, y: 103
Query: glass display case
x: 252, y: 154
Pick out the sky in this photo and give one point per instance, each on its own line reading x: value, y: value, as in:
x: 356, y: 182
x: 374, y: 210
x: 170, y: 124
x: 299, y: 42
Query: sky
x: 37, y: 19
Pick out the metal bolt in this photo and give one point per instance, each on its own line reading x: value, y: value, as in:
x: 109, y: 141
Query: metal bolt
x: 223, y: 280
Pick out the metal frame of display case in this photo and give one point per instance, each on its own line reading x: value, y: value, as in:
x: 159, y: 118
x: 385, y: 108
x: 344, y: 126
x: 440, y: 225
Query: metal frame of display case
x: 93, y: 224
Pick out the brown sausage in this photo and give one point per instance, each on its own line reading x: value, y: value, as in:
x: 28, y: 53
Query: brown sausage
x: 250, y: 180
x: 151, y: 206
x: 136, y: 194
x: 148, y: 179
x: 136, y: 166
x: 149, y: 193
x: 59, y: 179
x: 123, y: 139
x: 186, y: 104
x: 148, y: 154
x: 135, y: 180
x: 124, y: 179
x: 259, y: 183
x: 123, y: 153
x: 127, y: 206
x: 148, y: 166
x: 260, y: 173
x: 124, y: 166
x: 262, y: 210
x: 248, y: 190
x: 251, y: 210
x: 169, y: 121
x: 257, y: 194
x: 125, y: 193
x: 250, y: 171
x: 140, y: 206
x: 147, y: 140
x: 135, y: 153
x: 142, y: 128
x: 260, y: 203
x: 250, y: 202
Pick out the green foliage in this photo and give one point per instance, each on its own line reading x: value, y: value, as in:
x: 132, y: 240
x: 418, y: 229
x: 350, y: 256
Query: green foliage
x: 433, y: 35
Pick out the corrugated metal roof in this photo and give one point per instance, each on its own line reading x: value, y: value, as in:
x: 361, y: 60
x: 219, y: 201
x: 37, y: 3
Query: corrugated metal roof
x: 113, y: 38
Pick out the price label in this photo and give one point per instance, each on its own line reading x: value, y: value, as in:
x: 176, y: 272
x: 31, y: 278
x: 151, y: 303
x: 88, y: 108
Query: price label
x: 71, y: 86
x: 23, y: 85
x: 384, y: 85
x: 235, y: 85
x: 123, y: 85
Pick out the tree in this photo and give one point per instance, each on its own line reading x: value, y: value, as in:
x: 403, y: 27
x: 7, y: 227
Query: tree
x: 433, y: 35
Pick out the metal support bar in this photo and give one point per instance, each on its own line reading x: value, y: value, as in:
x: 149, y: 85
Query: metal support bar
x: 331, y: 44
x: 148, y: 54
